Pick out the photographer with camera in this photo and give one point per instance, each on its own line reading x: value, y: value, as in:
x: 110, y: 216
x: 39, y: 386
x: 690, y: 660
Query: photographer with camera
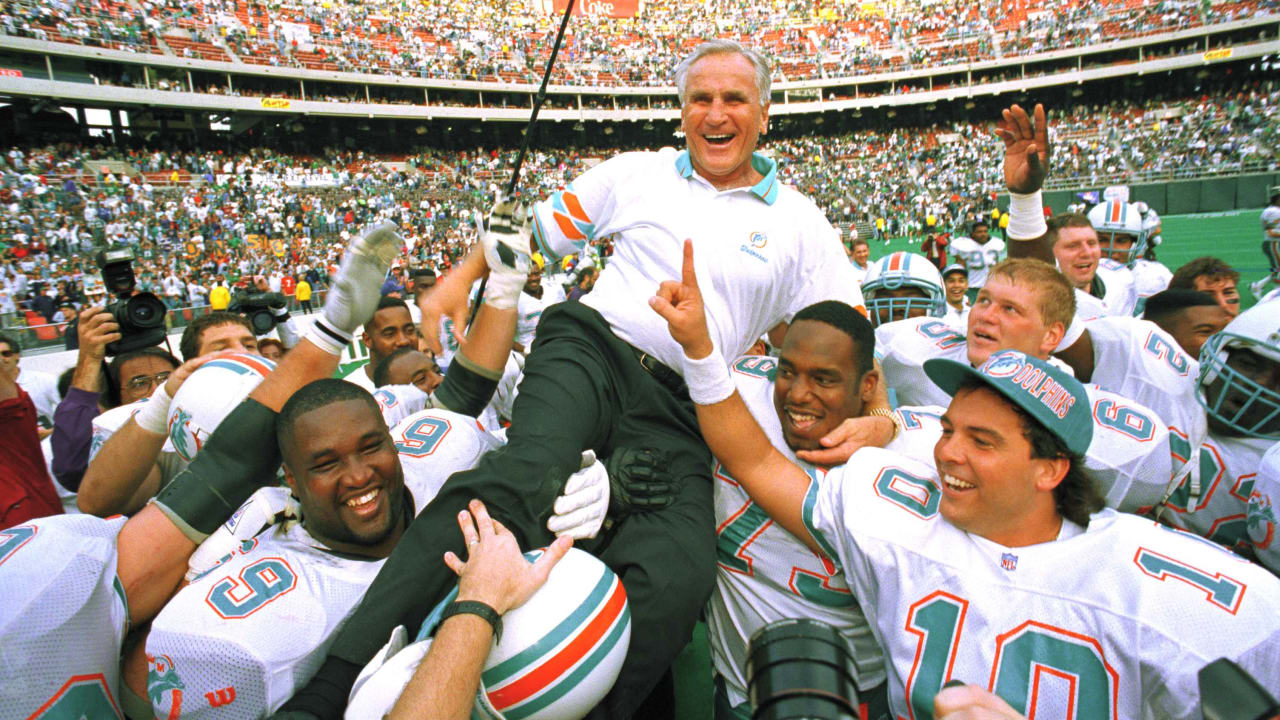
x: 266, y: 310
x: 139, y: 315
x: 96, y: 387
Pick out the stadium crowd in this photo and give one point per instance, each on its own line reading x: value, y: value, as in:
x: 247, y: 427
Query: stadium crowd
x: 202, y: 218
x: 1035, y: 460
x: 470, y: 39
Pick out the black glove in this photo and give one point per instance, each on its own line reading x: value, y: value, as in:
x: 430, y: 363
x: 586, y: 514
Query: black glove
x: 637, y: 481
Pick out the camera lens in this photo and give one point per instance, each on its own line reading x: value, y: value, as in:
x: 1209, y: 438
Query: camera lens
x: 262, y: 321
x: 145, y: 311
x: 801, y: 669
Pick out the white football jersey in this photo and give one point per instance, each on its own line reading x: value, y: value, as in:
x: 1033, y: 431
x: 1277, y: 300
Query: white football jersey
x: 903, y: 346
x: 1224, y: 471
x: 1128, y: 459
x: 766, y: 574
x: 242, y: 638
x: 977, y: 258
x: 1261, y: 519
x: 1149, y: 278
x: 1136, y: 359
x: 398, y: 402
x: 219, y: 650
x: 107, y: 423
x: 434, y: 444
x: 1089, y: 307
x: 63, y: 619
x: 529, y: 311
x: 1121, y: 295
x: 1112, y: 621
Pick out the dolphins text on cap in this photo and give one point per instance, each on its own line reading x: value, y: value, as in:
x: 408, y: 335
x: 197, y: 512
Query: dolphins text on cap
x: 1038, y: 383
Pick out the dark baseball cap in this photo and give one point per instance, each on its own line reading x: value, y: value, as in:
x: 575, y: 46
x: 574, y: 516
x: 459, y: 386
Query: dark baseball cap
x: 1052, y: 397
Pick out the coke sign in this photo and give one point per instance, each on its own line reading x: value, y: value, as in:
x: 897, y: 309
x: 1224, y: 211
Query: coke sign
x: 602, y: 8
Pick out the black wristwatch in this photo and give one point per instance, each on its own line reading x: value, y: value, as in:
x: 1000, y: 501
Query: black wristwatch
x: 475, y: 607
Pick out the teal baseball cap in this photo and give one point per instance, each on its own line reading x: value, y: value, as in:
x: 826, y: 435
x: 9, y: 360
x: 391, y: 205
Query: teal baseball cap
x: 1053, y: 397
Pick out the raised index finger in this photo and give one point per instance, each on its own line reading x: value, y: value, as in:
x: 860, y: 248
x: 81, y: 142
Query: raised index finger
x: 687, y: 276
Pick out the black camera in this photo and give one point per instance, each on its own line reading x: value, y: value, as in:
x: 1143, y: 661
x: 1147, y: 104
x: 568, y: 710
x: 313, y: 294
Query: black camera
x: 258, y: 308
x: 140, y: 315
x: 801, y: 668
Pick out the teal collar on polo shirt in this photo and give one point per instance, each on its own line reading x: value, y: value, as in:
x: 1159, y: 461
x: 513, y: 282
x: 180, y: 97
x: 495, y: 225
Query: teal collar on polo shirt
x: 766, y: 189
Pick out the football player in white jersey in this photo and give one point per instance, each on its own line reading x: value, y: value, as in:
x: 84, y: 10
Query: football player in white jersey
x: 1189, y: 316
x: 1000, y: 563
x: 1139, y: 361
x: 216, y: 649
x: 1025, y: 306
x: 1239, y: 390
x: 1103, y: 286
x: 1150, y: 276
x: 903, y: 285
x: 823, y: 375
x: 63, y: 640
x: 1130, y: 357
x: 151, y: 549
x: 1270, y: 244
x: 534, y: 298
x: 978, y: 253
x: 389, y: 328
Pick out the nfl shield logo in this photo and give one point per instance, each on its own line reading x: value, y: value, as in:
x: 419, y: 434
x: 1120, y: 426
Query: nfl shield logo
x: 1009, y: 561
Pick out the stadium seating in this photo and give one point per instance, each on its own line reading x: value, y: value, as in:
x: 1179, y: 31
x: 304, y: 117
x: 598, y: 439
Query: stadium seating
x: 476, y: 39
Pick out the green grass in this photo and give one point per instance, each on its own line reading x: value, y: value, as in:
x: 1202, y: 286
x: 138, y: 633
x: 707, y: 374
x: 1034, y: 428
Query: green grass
x: 1234, y: 236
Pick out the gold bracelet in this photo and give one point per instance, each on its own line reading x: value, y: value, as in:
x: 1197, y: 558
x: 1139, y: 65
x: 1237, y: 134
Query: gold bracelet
x: 893, y: 418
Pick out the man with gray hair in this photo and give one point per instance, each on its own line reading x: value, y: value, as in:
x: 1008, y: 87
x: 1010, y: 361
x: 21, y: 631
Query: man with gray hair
x: 603, y: 372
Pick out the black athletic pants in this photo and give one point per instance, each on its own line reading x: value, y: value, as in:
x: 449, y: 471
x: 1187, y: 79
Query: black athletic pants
x: 582, y: 388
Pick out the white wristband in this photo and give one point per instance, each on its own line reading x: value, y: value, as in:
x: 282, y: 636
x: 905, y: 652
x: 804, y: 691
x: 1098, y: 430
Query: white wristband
x: 1026, y: 216
x: 326, y: 337
x: 708, y: 378
x: 153, y: 416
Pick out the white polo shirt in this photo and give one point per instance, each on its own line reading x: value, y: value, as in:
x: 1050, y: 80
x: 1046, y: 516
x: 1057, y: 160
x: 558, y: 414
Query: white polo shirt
x: 761, y: 253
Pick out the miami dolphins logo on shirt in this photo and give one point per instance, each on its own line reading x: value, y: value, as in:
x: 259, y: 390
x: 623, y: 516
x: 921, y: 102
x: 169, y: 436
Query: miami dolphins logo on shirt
x: 163, y: 678
x: 180, y: 432
x: 759, y: 240
x: 1261, y: 520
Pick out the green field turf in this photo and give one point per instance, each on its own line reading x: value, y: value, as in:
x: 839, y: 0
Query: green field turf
x: 1235, y: 237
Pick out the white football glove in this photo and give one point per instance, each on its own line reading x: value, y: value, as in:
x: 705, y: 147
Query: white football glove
x: 264, y: 508
x: 357, y: 287
x: 580, y: 510
x: 506, y: 251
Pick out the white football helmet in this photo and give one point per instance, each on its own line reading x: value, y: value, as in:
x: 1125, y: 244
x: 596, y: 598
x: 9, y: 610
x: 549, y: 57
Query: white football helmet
x: 902, y: 270
x: 1233, y: 362
x: 209, y: 395
x: 559, y: 655
x: 1119, y: 218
